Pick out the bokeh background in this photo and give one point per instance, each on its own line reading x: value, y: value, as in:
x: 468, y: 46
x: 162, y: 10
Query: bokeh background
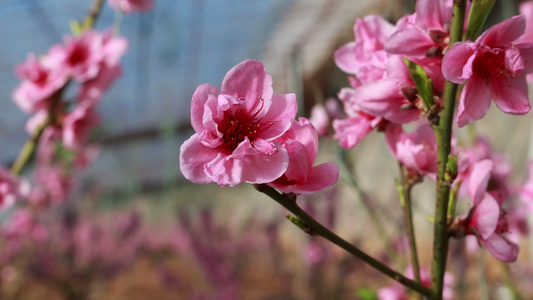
x: 213, y: 243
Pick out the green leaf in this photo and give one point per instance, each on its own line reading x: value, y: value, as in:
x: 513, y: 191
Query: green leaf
x: 479, y: 12
x: 76, y: 28
x: 422, y: 82
x: 366, y: 294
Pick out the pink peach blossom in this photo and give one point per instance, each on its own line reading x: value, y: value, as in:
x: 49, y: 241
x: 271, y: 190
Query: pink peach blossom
x: 132, y: 6
x: 113, y: 48
x: 38, y: 84
x: 79, y: 57
x: 423, y: 37
x: 351, y: 130
x: 486, y: 220
x: 365, y: 58
x: 301, y: 142
x: 493, y: 66
x: 77, y: 124
x: 416, y: 150
x: 236, y: 128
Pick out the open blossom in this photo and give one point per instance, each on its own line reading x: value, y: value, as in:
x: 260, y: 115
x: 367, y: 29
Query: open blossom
x: 424, y: 35
x: 301, y: 177
x: 77, y: 125
x: 365, y: 58
x: 486, y: 219
x: 236, y: 128
x: 113, y: 48
x: 493, y: 66
x: 38, y: 84
x: 416, y: 150
x: 132, y: 6
x: 79, y: 57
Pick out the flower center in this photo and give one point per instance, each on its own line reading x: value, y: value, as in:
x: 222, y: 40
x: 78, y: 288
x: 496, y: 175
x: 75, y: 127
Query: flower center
x: 239, y: 124
x: 78, y: 55
x: 491, y: 66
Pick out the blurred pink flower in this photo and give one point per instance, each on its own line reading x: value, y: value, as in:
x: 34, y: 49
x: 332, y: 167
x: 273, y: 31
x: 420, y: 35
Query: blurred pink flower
x: 38, y: 84
x: 423, y: 36
x: 77, y: 124
x: 416, y: 150
x: 301, y: 142
x: 526, y: 9
x: 397, y: 291
x: 526, y: 190
x: 320, y: 119
x: 486, y: 220
x: 132, y: 6
x: 365, y: 58
x: 358, y: 124
x: 236, y: 128
x: 113, y: 48
x: 11, y: 188
x: 493, y: 66
x: 79, y: 57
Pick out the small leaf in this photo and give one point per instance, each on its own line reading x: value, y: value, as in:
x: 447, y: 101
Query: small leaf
x: 366, y: 294
x: 479, y: 12
x: 422, y: 82
x: 75, y: 28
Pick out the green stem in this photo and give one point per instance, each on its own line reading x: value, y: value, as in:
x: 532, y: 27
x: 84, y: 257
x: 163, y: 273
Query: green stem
x: 314, y: 227
x: 443, y: 134
x: 404, y: 191
x: 509, y: 282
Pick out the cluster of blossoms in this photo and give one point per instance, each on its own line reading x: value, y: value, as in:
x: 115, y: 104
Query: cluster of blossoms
x: 384, y: 96
x: 92, y: 60
x: 246, y: 133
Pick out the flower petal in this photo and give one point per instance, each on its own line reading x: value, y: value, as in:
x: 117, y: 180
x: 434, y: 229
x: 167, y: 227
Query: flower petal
x: 479, y: 179
x: 265, y: 168
x: 501, y: 248
x: 199, y: 98
x: 457, y: 62
x: 410, y: 41
x: 485, y: 216
x: 474, y: 102
x: 193, y: 156
x: 249, y: 80
x: 225, y: 170
x: 511, y: 95
x: 345, y: 58
x: 282, y: 110
x: 504, y: 33
x: 320, y: 177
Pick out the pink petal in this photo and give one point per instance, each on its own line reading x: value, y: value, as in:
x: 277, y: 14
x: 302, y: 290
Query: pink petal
x: 511, y: 95
x: 265, y: 168
x: 283, y: 108
x: 199, y: 98
x: 431, y: 14
x: 504, y: 33
x: 300, y: 164
x: 410, y: 41
x: 479, y: 179
x: 485, y: 217
x: 320, y: 177
x: 514, y: 61
x: 474, y: 102
x: 350, y: 132
x: 193, y: 156
x: 501, y: 248
x: 345, y: 58
x: 225, y: 170
x: 457, y: 62
x: 249, y: 80
x: 526, y: 51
